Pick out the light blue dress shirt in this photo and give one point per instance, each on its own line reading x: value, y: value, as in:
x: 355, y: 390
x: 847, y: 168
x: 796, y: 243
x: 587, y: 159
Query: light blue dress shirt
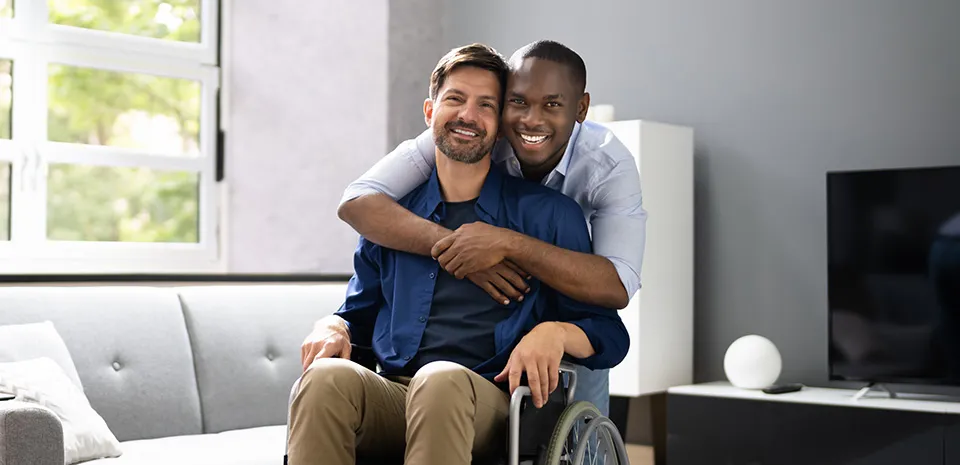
x: 597, y: 171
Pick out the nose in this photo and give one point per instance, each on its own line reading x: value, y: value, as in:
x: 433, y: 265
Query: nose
x: 469, y: 113
x: 532, y: 117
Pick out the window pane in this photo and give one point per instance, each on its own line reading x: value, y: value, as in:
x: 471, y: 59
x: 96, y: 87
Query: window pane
x: 140, y: 111
x: 4, y: 201
x: 95, y: 203
x: 6, y: 8
x: 6, y: 96
x: 159, y: 19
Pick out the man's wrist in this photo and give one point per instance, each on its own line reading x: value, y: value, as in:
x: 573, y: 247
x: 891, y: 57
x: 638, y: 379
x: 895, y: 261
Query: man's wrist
x: 511, y: 246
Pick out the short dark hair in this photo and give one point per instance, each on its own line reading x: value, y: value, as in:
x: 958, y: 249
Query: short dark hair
x: 555, y: 52
x: 476, y: 55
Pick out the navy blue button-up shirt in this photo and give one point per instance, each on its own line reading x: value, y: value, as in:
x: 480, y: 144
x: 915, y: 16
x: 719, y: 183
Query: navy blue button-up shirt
x: 389, y: 296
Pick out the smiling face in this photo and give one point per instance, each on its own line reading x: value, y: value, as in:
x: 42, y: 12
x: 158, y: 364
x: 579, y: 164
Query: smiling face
x: 542, y: 104
x: 464, y: 115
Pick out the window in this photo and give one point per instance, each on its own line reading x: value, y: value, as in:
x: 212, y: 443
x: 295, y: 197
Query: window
x: 108, y: 136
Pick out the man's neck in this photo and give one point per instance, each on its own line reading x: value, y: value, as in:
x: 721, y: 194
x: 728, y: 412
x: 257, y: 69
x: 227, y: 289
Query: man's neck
x: 460, y: 182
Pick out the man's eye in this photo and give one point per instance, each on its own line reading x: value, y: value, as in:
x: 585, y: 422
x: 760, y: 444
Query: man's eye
x: 489, y: 105
x: 553, y: 104
x: 454, y: 99
x: 516, y: 101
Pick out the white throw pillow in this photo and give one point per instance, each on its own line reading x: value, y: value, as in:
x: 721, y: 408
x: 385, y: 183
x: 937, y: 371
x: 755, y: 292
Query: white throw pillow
x: 41, y: 381
x: 35, y: 340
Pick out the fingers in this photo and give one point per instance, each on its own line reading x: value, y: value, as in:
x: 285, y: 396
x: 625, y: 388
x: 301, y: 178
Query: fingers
x: 554, y: 373
x: 534, y: 382
x: 506, y: 287
x: 544, y: 382
x: 442, y: 245
x: 497, y: 296
x: 516, y: 269
x: 516, y: 372
x: 511, y: 276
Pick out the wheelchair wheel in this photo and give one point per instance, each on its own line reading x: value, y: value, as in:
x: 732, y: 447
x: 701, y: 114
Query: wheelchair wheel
x: 584, y: 437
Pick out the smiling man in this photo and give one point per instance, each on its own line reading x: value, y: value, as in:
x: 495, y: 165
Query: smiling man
x: 547, y: 141
x: 448, y: 354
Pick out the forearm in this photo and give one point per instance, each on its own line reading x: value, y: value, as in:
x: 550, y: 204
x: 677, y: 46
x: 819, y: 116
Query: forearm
x: 584, y: 277
x: 575, y: 341
x: 382, y: 221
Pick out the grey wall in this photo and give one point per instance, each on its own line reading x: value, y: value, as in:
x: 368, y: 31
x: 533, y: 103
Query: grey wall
x: 307, y: 114
x: 779, y: 93
x: 416, y: 43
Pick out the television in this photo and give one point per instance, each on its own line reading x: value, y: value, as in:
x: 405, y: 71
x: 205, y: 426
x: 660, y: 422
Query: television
x: 894, y: 275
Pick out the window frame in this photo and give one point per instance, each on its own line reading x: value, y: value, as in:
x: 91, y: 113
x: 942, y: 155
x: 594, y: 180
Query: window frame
x: 33, y: 45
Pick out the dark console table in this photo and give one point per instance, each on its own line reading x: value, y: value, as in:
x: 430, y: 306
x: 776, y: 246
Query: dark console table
x: 717, y: 424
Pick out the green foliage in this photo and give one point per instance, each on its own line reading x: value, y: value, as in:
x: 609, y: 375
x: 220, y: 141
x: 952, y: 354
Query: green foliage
x: 90, y: 106
x: 6, y: 68
x: 4, y: 201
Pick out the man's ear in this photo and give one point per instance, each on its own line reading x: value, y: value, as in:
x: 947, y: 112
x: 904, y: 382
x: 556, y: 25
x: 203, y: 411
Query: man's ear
x: 582, y: 106
x: 428, y: 111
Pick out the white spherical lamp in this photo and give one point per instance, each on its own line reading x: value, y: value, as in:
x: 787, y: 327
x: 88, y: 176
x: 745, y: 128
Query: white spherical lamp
x: 752, y: 362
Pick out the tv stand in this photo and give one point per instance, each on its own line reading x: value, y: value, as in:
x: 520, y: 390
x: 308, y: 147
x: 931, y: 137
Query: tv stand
x: 718, y: 423
x: 880, y: 386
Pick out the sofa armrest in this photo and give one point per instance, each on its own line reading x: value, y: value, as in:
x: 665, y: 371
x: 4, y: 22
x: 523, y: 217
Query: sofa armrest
x: 29, y: 434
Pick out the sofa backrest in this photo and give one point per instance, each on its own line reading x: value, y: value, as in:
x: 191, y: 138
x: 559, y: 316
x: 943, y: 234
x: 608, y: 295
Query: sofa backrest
x: 131, y: 350
x: 167, y: 361
x: 246, y: 342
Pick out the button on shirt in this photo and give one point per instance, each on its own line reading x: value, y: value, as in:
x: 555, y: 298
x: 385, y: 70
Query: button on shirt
x: 390, y: 295
x: 596, y: 170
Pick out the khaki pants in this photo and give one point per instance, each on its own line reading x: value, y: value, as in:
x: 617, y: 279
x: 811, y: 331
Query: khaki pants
x: 445, y: 415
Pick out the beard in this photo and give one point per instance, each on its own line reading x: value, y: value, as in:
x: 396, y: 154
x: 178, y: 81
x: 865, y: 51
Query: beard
x: 464, y: 152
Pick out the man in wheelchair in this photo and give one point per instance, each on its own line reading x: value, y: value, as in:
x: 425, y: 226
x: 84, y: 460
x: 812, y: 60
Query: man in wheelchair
x: 448, y: 356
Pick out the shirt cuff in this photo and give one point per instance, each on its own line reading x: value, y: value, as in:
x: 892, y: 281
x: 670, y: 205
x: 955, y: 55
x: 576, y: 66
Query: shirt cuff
x: 629, y: 277
x: 353, y: 192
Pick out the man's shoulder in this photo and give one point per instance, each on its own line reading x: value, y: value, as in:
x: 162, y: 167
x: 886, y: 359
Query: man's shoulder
x: 597, y: 145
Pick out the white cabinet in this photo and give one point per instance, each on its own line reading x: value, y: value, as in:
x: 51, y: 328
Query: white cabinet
x: 660, y: 317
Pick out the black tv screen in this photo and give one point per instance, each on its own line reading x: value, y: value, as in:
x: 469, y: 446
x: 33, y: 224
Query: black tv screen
x: 894, y: 275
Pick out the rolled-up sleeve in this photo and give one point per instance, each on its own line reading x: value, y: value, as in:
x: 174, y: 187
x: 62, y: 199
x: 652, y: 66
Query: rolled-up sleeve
x: 618, y: 225
x: 398, y: 173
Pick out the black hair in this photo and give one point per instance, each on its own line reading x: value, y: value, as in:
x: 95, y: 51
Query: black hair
x: 555, y: 52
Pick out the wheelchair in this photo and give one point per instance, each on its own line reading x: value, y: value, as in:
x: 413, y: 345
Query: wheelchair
x: 562, y: 432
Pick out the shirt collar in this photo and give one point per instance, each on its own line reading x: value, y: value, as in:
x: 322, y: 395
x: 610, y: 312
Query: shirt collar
x: 504, y: 155
x: 489, y: 200
x: 568, y: 152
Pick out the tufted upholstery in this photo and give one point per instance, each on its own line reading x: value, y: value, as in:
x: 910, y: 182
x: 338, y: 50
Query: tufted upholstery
x: 247, y: 348
x: 131, y: 350
x: 159, y: 362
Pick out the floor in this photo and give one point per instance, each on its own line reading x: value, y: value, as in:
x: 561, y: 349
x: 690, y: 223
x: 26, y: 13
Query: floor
x: 640, y: 455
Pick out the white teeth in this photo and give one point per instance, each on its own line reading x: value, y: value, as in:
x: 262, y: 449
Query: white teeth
x: 466, y: 133
x: 532, y: 139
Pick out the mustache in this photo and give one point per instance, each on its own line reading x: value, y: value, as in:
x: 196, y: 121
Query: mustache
x: 466, y: 126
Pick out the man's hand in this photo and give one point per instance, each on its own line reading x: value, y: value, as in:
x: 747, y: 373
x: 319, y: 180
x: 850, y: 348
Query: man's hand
x: 329, y: 338
x: 538, y: 354
x: 504, y: 281
x: 471, y: 248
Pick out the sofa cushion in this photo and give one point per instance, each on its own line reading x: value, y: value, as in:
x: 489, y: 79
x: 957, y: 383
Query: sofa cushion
x: 35, y: 340
x: 42, y: 382
x: 130, y: 347
x: 256, y: 446
x: 246, y: 341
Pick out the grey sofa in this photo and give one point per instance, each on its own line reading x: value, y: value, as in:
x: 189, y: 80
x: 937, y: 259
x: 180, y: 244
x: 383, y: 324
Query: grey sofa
x: 181, y: 375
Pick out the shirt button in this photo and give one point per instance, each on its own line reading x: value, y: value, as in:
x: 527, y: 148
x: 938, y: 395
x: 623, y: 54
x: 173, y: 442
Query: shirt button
x: 422, y: 319
x: 116, y: 366
x: 433, y: 275
x: 407, y: 357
